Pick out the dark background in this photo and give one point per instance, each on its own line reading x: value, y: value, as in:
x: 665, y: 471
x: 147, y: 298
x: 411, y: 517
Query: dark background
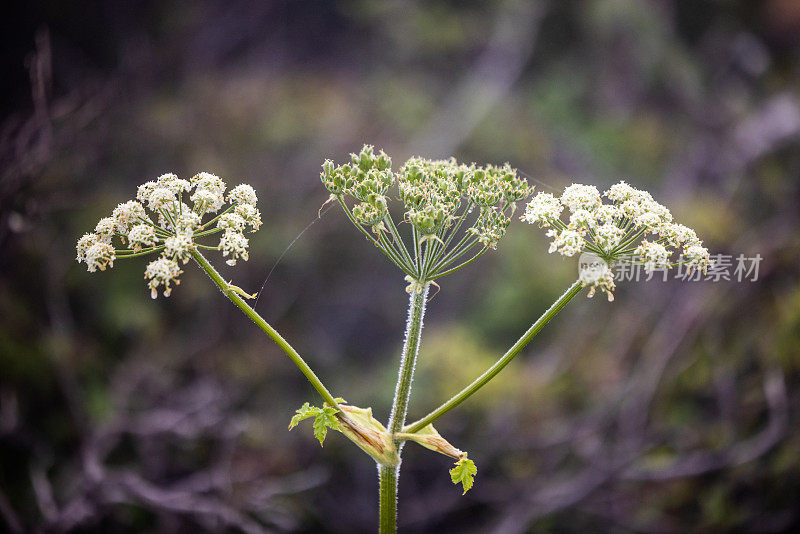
x: 672, y: 409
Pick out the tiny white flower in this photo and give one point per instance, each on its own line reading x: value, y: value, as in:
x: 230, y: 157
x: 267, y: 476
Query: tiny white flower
x: 581, y: 220
x: 144, y: 190
x: 188, y: 221
x: 179, y: 247
x: 162, y: 272
x: 698, y: 257
x: 566, y: 243
x: 160, y: 198
x: 127, y: 214
x: 243, y: 194
x: 608, y: 236
x: 608, y: 213
x: 649, y: 220
x: 250, y: 214
x: 105, y: 228
x: 620, y: 192
x: 632, y: 208
x: 209, y: 193
x: 678, y: 234
x: 142, y: 236
x: 654, y: 255
x: 598, y: 276
x: 543, y: 208
x: 206, y: 179
x: 84, y: 243
x: 581, y: 197
x: 234, y: 244
x: 99, y: 256
x: 232, y: 221
x: 173, y: 183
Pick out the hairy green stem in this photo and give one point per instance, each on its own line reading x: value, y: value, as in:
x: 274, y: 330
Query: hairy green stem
x: 263, y: 325
x: 389, y: 475
x: 416, y: 311
x: 498, y: 366
x: 388, y: 498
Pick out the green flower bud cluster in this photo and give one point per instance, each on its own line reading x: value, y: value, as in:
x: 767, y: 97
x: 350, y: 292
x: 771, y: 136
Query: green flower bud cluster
x: 438, y: 196
x: 431, y: 192
x: 367, y: 178
x: 491, y: 226
x: 492, y: 185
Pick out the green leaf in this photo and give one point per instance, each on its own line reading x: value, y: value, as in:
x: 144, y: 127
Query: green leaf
x: 304, y: 412
x: 324, y: 418
x: 464, y: 472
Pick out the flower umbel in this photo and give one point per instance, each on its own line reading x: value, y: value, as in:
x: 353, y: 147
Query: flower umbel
x: 632, y: 228
x: 437, y: 197
x: 159, y: 221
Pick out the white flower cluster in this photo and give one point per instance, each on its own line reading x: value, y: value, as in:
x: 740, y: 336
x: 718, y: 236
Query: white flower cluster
x: 159, y: 221
x: 631, y: 228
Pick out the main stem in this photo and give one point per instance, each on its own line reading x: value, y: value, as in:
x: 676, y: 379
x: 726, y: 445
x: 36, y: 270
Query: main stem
x: 389, y: 474
x: 265, y: 326
x: 498, y: 366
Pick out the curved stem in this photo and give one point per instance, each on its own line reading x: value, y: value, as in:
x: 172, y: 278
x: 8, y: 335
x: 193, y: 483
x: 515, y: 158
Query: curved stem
x: 498, y: 366
x: 263, y: 325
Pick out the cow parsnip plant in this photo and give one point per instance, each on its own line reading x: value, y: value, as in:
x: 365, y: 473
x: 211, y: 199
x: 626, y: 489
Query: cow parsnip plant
x: 453, y: 214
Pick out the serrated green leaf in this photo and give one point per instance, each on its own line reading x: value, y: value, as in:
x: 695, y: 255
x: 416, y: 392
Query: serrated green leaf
x: 304, y: 412
x: 320, y: 428
x: 464, y: 473
x: 324, y: 418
